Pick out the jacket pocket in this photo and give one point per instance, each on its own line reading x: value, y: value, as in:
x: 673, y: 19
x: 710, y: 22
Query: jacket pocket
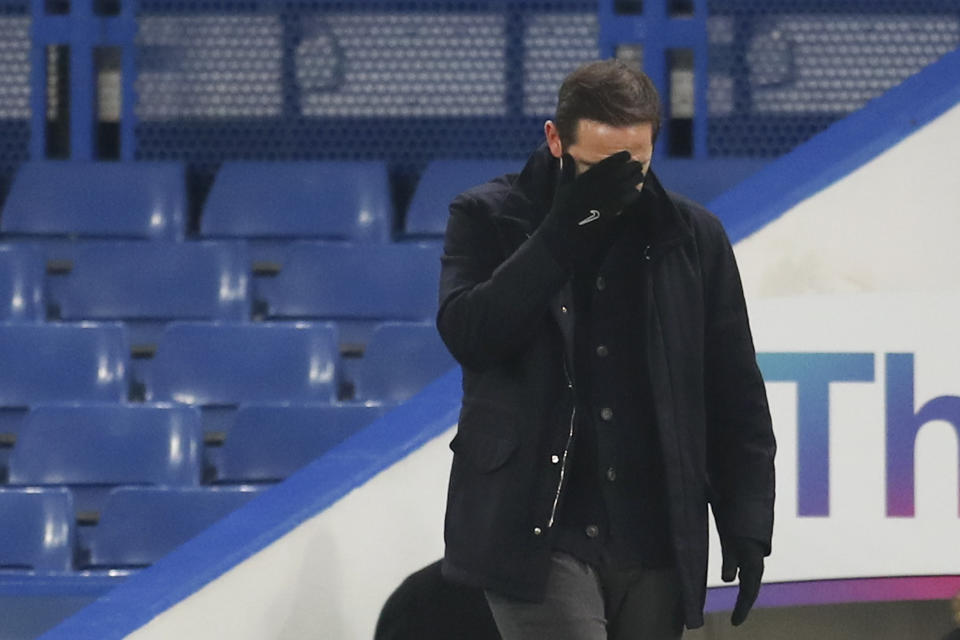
x: 487, y: 452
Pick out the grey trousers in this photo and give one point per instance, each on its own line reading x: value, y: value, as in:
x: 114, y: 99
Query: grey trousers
x: 585, y: 604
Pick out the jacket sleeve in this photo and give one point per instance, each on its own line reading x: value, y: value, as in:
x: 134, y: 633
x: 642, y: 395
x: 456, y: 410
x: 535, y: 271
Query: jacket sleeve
x: 490, y: 307
x: 740, y: 440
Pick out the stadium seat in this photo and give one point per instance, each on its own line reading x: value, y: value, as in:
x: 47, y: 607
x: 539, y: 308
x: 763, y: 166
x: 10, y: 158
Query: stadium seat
x: 209, y: 364
x: 354, y: 282
x: 140, y: 525
x: 38, y: 529
x: 21, y: 284
x: 145, y: 200
x: 441, y: 182
x: 287, y: 200
x: 269, y: 442
x: 146, y: 284
x: 400, y: 359
x: 62, y: 362
x: 92, y: 448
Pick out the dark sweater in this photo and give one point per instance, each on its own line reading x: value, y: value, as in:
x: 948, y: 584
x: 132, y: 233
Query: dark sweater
x: 614, y: 507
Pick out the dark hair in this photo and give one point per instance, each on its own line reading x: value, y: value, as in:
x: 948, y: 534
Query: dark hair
x: 607, y: 91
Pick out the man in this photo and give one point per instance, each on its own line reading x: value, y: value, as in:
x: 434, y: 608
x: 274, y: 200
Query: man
x: 610, y: 385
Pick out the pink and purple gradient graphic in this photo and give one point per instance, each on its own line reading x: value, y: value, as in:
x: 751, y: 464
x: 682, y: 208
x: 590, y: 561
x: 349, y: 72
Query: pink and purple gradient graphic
x: 793, y: 594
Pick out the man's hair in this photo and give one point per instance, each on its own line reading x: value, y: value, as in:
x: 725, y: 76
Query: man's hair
x: 609, y: 92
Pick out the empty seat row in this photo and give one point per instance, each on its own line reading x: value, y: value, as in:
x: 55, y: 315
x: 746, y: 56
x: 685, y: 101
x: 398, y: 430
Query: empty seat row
x: 213, y: 363
x: 143, y: 283
x: 94, y: 447
x: 139, y: 526
x: 257, y: 200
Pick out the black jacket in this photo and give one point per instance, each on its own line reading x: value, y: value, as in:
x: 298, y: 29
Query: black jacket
x: 506, y: 315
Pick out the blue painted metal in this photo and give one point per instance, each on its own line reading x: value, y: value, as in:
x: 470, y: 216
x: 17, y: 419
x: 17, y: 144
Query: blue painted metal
x: 83, y: 30
x: 658, y: 33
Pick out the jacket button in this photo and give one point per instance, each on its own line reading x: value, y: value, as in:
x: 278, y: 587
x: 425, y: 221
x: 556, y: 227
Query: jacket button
x: 563, y: 308
x: 601, y: 283
x: 602, y: 350
x: 592, y: 531
x: 606, y: 414
x: 537, y: 531
x: 611, y: 474
x: 554, y: 459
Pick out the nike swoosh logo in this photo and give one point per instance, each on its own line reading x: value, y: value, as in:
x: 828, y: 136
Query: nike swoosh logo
x: 594, y: 215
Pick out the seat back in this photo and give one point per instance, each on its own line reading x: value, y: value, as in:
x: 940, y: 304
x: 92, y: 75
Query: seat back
x: 400, y: 359
x: 140, y: 525
x: 368, y: 282
x: 271, y: 441
x: 206, y: 364
x: 108, y: 444
x: 21, y: 284
x: 97, y: 199
x: 441, y: 182
x: 334, y: 200
x: 38, y: 529
x: 147, y: 280
x: 54, y: 362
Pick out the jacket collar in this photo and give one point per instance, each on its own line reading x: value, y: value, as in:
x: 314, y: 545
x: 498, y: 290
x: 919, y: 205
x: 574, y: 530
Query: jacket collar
x: 531, y: 196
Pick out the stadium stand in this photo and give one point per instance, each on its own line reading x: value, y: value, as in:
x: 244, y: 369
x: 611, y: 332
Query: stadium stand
x: 148, y: 284
x: 268, y: 442
x: 21, y: 284
x: 440, y: 182
x: 38, y: 529
x: 93, y: 447
x: 140, y: 525
x: 284, y: 201
x: 133, y: 200
x: 399, y: 360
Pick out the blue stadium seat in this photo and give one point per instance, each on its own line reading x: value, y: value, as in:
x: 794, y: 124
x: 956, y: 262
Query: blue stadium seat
x: 141, y: 525
x: 331, y: 200
x: 38, y: 529
x: 93, y: 447
x: 145, y: 200
x: 356, y: 282
x: 441, y: 182
x: 209, y: 364
x: 21, y: 284
x: 270, y: 441
x: 400, y: 359
x: 146, y: 284
x: 62, y: 362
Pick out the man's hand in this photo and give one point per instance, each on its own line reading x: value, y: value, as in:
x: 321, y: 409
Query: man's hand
x: 585, y: 203
x: 745, y: 554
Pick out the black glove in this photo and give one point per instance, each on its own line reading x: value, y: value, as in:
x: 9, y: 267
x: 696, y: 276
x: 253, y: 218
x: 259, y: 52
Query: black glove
x: 584, y: 205
x: 747, y: 555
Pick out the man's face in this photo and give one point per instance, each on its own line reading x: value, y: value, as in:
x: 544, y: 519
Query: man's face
x: 596, y: 141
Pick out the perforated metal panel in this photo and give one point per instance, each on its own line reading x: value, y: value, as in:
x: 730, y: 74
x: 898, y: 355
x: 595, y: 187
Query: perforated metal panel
x: 781, y: 72
x: 14, y: 88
